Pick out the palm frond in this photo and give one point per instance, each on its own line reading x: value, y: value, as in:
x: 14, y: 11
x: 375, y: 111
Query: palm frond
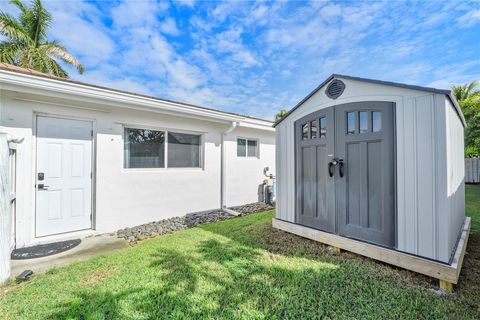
x: 56, y: 50
x: 10, y: 28
x: 27, y: 45
x: 19, y: 4
x: 10, y: 52
x: 41, y: 21
x: 56, y: 69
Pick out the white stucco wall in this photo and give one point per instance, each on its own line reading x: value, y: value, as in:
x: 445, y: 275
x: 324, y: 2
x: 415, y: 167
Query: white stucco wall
x: 128, y: 197
x: 243, y: 171
x: 423, y: 217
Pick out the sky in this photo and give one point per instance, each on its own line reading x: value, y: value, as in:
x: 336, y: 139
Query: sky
x: 255, y: 58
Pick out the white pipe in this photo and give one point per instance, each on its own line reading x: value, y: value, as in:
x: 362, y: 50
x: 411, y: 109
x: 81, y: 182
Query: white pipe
x: 223, y: 165
x: 230, y: 211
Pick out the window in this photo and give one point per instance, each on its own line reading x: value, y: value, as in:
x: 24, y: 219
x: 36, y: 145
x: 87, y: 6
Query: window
x: 313, y: 129
x: 305, y: 131
x: 183, y: 150
x: 247, y: 147
x: 241, y: 148
x: 251, y: 148
x: 363, y: 122
x: 323, y: 127
x: 350, y: 122
x: 376, y: 121
x: 144, y: 148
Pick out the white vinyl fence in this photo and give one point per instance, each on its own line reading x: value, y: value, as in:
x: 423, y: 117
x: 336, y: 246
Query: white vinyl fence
x: 472, y: 170
x: 8, y: 159
x: 5, y: 209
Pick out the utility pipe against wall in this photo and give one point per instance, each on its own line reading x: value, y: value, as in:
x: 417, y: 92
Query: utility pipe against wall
x: 223, y: 165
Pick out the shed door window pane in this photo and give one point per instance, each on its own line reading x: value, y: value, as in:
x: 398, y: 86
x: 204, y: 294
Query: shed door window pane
x: 144, y: 148
x: 376, y: 121
x: 323, y: 127
x: 363, y: 122
x: 183, y: 150
x: 241, y: 147
x: 350, y: 122
x: 313, y: 129
x: 252, y: 148
x: 305, y: 131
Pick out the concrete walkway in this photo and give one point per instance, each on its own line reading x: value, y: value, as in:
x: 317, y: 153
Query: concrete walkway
x: 89, y: 247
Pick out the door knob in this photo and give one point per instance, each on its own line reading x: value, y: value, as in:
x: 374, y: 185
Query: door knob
x: 330, y: 166
x: 341, y: 169
x: 41, y: 186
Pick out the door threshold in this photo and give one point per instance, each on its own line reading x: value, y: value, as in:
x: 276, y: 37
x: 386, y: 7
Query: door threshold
x: 62, y: 237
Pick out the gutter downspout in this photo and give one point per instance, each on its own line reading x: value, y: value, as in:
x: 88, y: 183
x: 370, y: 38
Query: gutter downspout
x: 223, y: 176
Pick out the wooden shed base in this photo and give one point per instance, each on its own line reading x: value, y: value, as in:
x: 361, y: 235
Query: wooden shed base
x: 447, y: 273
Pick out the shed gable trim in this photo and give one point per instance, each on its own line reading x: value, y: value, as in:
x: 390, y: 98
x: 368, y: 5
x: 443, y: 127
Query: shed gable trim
x: 374, y: 81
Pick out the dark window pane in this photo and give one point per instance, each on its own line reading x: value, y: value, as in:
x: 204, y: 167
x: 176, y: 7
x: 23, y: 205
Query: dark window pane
x: 144, y: 148
x: 305, y: 131
x: 252, y: 148
x: 323, y: 127
x: 241, y: 147
x: 183, y: 150
x: 313, y: 129
x: 350, y: 122
x: 376, y: 121
x: 363, y: 122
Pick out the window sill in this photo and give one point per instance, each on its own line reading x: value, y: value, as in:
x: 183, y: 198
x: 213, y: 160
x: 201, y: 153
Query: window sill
x: 156, y: 170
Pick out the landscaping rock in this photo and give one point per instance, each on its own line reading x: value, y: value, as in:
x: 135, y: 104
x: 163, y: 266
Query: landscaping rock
x: 252, y: 208
x: 154, y: 229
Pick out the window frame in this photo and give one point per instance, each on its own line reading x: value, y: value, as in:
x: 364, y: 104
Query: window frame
x: 166, y: 131
x: 257, y: 149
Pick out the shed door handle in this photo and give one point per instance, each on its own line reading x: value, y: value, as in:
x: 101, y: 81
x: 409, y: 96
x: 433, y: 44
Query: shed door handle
x: 341, y: 169
x: 330, y: 166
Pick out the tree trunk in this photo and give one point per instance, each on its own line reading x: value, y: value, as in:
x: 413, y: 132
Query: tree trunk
x: 5, y: 211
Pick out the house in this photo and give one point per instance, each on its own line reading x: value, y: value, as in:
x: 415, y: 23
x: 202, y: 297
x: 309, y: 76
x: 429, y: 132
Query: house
x: 376, y: 168
x: 94, y: 159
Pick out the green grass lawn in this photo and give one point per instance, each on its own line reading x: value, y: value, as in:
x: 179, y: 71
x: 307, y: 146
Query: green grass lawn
x: 242, y: 268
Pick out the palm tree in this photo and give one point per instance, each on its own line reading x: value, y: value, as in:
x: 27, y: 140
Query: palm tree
x: 280, y: 114
x: 467, y: 91
x: 26, y: 43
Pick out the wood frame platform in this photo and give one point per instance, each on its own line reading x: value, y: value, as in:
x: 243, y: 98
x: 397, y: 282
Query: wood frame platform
x: 447, y: 273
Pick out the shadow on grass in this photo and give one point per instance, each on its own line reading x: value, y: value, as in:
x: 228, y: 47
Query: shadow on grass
x: 92, y: 305
x: 229, y: 280
x: 246, y: 269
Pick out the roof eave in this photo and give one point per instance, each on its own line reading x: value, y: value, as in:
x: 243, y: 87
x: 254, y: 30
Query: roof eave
x: 18, y: 79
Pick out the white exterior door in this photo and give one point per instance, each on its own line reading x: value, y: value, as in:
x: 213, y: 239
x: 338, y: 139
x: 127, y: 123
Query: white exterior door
x: 63, y: 177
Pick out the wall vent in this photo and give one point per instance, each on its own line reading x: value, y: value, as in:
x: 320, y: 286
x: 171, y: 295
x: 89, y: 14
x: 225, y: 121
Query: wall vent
x: 335, y: 89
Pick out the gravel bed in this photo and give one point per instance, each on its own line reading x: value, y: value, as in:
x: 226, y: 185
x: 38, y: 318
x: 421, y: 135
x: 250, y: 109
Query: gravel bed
x: 157, y: 228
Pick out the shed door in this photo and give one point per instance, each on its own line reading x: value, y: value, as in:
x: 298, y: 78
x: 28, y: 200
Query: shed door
x: 315, y: 188
x: 63, y: 177
x: 365, y: 194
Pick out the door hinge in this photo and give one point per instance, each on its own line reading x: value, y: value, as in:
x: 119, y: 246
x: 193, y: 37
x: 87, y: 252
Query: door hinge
x: 91, y: 133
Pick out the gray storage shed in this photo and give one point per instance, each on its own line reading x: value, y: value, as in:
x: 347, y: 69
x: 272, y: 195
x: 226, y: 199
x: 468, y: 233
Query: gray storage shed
x: 376, y: 168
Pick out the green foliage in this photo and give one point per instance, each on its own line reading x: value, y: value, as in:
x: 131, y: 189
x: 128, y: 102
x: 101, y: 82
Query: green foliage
x: 26, y: 44
x: 467, y: 91
x: 242, y: 269
x: 471, y: 152
x: 468, y: 97
x: 280, y: 114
